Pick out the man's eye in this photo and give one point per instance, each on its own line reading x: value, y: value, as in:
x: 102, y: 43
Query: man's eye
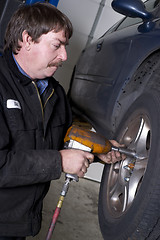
x: 56, y: 46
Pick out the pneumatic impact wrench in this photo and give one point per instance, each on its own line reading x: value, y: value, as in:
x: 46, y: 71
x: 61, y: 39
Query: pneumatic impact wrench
x: 83, y: 139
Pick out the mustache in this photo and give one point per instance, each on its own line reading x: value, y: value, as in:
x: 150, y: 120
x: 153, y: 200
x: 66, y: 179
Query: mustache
x: 56, y: 64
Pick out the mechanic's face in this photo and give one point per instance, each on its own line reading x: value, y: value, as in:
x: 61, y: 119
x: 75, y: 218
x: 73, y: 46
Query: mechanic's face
x: 47, y: 54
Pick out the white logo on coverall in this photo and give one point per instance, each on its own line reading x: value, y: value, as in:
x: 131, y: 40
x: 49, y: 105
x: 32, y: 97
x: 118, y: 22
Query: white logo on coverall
x: 13, y: 104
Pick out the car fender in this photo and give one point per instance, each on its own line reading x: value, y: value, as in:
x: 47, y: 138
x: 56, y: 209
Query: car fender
x: 134, y: 86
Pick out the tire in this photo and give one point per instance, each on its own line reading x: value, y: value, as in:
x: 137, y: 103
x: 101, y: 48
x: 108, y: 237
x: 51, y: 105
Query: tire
x: 129, y: 198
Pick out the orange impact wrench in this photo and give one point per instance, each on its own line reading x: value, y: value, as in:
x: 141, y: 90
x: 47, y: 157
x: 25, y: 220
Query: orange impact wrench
x: 83, y: 139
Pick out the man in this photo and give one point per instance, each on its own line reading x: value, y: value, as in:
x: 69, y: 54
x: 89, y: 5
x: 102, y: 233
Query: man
x: 34, y: 117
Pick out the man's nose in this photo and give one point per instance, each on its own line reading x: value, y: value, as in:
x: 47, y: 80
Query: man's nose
x: 63, y: 53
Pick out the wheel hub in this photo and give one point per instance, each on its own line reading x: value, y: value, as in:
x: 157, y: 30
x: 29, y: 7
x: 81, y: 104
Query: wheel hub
x: 125, y: 177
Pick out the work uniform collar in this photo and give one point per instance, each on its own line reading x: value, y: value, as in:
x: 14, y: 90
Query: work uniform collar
x: 41, y: 83
x: 23, y: 79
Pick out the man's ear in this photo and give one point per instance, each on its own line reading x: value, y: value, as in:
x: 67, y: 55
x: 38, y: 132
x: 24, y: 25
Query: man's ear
x: 27, y: 40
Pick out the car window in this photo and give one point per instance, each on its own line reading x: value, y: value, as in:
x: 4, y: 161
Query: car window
x: 126, y: 22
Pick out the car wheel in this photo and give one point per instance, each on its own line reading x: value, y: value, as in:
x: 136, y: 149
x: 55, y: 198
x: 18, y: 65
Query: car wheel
x: 129, y: 205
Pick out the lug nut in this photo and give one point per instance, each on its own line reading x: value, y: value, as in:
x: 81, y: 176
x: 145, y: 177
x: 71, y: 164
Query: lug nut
x: 127, y: 179
x: 127, y: 168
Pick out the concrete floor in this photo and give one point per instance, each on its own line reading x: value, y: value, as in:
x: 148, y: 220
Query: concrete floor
x: 78, y: 219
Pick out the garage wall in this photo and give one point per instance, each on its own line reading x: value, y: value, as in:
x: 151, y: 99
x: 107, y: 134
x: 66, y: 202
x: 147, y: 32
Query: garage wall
x: 82, y: 15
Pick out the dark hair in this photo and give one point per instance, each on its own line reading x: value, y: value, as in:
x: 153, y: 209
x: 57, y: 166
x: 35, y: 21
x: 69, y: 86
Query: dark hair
x: 36, y: 19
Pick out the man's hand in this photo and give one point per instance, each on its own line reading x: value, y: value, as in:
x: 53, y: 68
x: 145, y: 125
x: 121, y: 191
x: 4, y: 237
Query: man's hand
x: 112, y: 156
x: 76, y: 161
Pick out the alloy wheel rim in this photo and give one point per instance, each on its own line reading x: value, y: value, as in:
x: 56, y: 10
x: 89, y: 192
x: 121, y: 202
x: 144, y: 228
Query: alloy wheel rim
x: 125, y: 177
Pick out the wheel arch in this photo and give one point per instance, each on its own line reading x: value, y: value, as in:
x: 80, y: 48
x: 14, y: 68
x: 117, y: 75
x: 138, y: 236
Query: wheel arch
x: 139, y: 80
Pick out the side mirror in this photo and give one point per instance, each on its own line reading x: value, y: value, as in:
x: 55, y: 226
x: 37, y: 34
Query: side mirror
x: 132, y: 8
